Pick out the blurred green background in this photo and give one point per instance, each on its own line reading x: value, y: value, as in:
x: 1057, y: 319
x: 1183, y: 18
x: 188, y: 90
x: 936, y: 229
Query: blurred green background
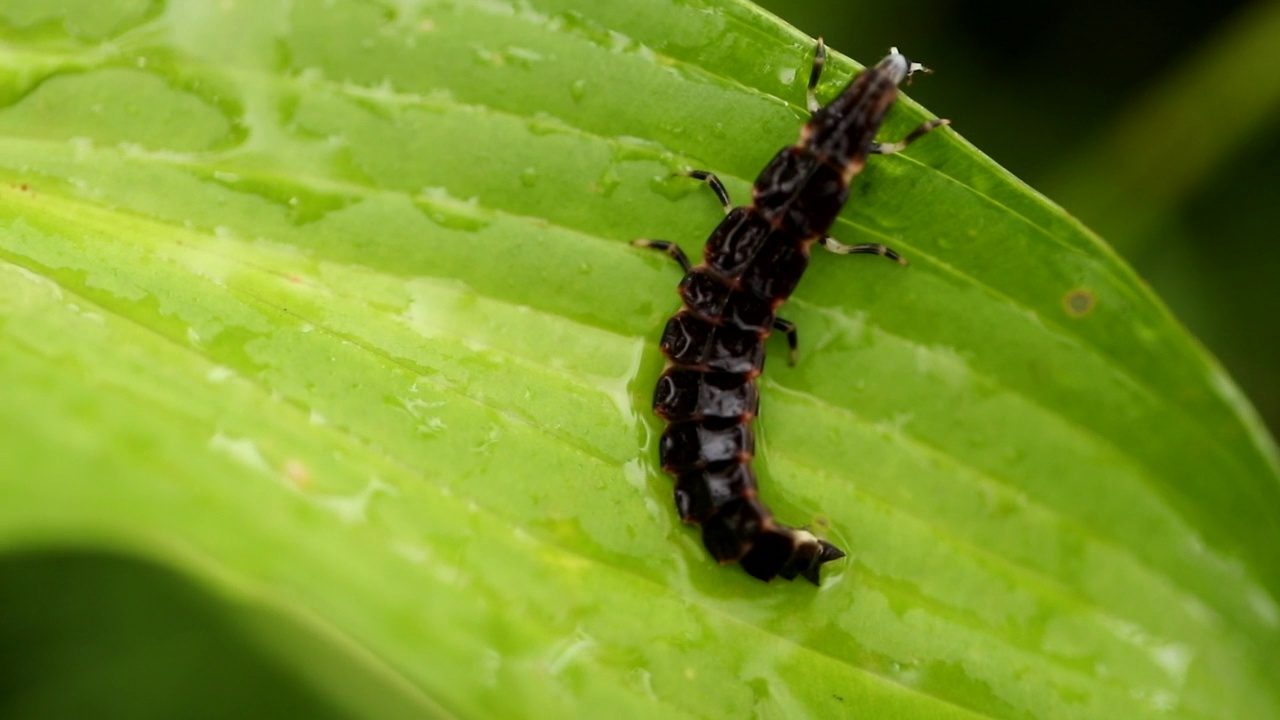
x: 1155, y: 123
x: 77, y: 654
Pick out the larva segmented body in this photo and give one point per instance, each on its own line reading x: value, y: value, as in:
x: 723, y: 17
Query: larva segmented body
x: 715, y: 343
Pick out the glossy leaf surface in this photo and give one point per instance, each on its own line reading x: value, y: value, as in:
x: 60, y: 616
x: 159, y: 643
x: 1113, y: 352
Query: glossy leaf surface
x: 330, y: 306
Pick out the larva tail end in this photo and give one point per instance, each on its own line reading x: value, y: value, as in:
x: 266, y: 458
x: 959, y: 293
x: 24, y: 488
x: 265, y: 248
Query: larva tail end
x: 789, y: 553
x: 826, y: 553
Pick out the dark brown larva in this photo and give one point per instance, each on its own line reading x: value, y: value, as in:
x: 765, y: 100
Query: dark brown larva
x: 715, y: 343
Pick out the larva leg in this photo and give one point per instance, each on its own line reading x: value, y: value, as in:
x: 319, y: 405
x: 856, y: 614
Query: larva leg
x: 667, y: 247
x: 819, y: 59
x: 891, y: 148
x: 714, y: 182
x: 793, y: 340
x: 840, y: 248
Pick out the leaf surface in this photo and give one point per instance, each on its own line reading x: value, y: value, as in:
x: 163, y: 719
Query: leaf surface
x: 331, y: 307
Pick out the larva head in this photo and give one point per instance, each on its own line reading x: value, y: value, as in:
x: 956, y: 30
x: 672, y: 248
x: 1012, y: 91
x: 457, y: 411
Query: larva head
x: 843, y: 132
x: 898, y: 68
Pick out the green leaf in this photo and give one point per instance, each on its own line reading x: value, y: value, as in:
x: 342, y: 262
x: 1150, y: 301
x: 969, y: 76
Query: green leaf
x: 326, y: 308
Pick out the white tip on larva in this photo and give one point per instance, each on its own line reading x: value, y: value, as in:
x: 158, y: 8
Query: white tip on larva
x: 899, y: 67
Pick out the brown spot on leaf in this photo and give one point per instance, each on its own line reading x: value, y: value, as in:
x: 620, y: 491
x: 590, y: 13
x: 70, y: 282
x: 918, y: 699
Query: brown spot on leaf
x: 1079, y: 302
